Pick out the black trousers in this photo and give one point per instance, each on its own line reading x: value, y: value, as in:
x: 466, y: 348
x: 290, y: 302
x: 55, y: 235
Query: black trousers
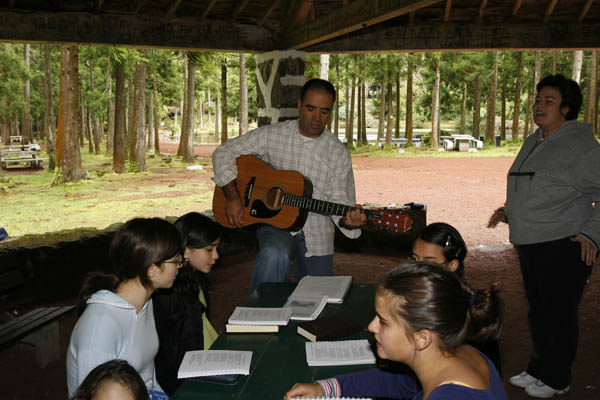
x: 554, y: 277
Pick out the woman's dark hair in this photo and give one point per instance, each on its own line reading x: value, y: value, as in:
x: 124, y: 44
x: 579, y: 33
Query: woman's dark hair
x: 118, y: 371
x: 139, y: 243
x: 429, y: 297
x: 449, y: 239
x: 317, y: 84
x: 197, y: 231
x: 569, y: 91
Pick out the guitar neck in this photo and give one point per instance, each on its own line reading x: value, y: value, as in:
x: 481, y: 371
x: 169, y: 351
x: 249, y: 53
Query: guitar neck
x: 317, y: 206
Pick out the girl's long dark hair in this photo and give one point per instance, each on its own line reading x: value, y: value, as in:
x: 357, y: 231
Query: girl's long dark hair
x: 429, y: 297
x: 118, y: 371
x: 197, y: 231
x: 139, y: 243
x: 450, y: 240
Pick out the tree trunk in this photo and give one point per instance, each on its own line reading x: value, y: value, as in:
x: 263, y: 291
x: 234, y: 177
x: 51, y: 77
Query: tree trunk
x: 150, y: 118
x: 119, y: 135
x: 201, y: 112
x: 435, y: 110
x: 390, y: 113
x: 517, y: 98
x: 347, y: 106
x: 503, y: 112
x: 110, y: 109
x: 137, y: 144
x: 223, y: 102
x: 589, y: 113
x: 48, y: 120
x: 156, y: 120
x: 68, y: 157
x: 359, y: 100
x: 93, y: 125
x: 350, y: 120
x: 476, y: 106
x: 397, y: 131
x: 324, y: 66
x: 536, y: 79
x: 463, y: 108
x: 576, y: 66
x: 130, y: 117
x: 554, y: 61
x: 243, y: 95
x: 528, y: 120
x: 184, y: 107
x: 408, y: 126
x: 208, y: 107
x: 86, y: 129
x: 26, y: 120
x: 363, y: 89
x: 490, y: 126
x: 217, y: 119
x: 380, y: 125
x: 188, y: 146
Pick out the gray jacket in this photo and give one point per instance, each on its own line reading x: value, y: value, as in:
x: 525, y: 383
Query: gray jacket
x: 552, y: 184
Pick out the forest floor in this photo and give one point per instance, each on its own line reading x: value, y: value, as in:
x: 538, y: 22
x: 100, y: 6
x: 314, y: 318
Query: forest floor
x: 461, y: 191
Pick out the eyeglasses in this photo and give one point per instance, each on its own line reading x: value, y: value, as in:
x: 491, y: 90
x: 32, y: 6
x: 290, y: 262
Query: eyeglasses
x: 178, y: 262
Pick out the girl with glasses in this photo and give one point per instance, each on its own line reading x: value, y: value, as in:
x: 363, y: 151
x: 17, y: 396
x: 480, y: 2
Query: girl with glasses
x: 117, y: 318
x: 181, y: 312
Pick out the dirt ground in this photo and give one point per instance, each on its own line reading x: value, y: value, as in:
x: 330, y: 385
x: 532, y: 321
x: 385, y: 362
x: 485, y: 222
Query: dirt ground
x: 460, y: 191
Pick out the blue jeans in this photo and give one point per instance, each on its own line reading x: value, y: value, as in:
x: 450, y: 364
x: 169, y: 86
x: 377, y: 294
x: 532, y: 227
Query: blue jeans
x: 277, y: 249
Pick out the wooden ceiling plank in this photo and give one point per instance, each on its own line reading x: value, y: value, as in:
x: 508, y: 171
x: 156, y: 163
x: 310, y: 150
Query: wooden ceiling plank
x: 173, y: 9
x: 239, y: 8
x: 585, y: 10
x: 272, y: 8
x: 312, y: 12
x: 208, y: 8
x: 99, y: 5
x: 139, y: 5
x: 357, y: 15
x: 299, y: 13
x: 516, y: 7
x: 447, y: 10
x: 549, y: 10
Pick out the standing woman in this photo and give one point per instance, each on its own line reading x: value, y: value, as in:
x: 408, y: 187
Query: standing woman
x: 117, y: 320
x: 181, y: 312
x: 442, y: 244
x: 550, y: 194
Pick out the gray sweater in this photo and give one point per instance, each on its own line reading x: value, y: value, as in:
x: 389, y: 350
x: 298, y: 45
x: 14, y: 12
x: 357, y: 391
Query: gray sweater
x: 552, y: 184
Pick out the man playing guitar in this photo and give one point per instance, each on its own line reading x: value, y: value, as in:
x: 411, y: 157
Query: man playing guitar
x: 302, y: 145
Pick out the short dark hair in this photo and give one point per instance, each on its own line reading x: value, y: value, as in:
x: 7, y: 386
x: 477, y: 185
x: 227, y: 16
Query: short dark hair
x: 569, y: 91
x: 449, y: 239
x: 118, y: 371
x: 197, y: 230
x: 428, y: 297
x: 317, y: 84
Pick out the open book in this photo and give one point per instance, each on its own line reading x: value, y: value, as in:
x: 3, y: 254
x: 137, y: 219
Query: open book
x: 214, y: 362
x: 334, y: 287
x: 345, y: 352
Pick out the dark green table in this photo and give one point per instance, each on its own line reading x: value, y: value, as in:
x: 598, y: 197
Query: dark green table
x: 279, y: 359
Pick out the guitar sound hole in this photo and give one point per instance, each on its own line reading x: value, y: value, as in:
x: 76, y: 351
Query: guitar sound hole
x: 274, y: 197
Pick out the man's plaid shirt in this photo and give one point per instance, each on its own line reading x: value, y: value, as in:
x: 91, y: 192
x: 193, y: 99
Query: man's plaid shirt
x: 324, y: 160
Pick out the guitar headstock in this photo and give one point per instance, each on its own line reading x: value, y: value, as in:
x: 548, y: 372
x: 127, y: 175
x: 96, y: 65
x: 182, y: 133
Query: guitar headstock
x: 393, y: 219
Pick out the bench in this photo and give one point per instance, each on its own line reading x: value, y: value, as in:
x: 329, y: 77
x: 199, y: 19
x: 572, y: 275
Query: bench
x: 21, y: 154
x: 39, y: 328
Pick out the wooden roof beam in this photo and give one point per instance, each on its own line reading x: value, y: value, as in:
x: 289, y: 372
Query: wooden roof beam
x: 481, y: 11
x: 357, y: 15
x: 239, y: 8
x: 139, y: 6
x: 516, y: 7
x: 447, y: 10
x: 298, y: 13
x: 208, y: 8
x: 585, y: 10
x: 272, y: 8
x: 173, y: 9
x: 549, y: 10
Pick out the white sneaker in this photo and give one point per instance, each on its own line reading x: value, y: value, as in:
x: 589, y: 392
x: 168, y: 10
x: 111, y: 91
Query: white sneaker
x: 541, y: 390
x: 522, y: 380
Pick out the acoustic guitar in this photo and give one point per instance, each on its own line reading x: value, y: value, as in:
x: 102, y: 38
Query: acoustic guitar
x: 282, y: 198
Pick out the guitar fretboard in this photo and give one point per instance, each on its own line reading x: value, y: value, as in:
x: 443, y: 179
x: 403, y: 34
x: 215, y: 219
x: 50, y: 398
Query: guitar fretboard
x: 316, y: 206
